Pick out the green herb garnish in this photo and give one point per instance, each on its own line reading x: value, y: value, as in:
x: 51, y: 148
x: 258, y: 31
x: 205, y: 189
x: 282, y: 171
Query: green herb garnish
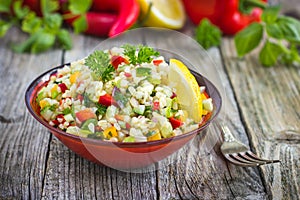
x: 279, y: 34
x: 99, y: 63
x: 145, y: 54
x: 207, y: 34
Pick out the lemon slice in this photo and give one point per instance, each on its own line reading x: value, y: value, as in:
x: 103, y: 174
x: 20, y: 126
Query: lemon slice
x: 187, y: 89
x: 163, y: 13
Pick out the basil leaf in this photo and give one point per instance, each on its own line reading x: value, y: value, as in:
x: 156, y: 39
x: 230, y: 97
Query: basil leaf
x: 273, y: 30
x: 79, y: 7
x: 64, y: 39
x: 43, y: 42
x: 53, y: 22
x: 270, y: 14
x: 49, y: 6
x: 290, y: 28
x: 19, y: 10
x: 207, y: 34
x: 269, y: 54
x: 5, y: 6
x: 80, y: 24
x: 31, y: 23
x: 248, y: 39
x: 4, y: 27
x: 291, y: 57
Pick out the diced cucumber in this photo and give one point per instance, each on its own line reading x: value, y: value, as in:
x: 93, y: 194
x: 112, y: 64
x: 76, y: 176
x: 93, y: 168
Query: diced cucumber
x: 140, y: 109
x: 166, y: 130
x: 69, y: 117
x: 46, y: 113
x: 143, y: 71
x: 129, y: 139
x: 86, y: 124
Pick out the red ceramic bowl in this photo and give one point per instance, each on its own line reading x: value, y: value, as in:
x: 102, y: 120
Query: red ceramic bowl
x: 120, y: 155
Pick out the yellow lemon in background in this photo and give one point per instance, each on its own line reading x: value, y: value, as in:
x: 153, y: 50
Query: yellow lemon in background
x: 162, y: 13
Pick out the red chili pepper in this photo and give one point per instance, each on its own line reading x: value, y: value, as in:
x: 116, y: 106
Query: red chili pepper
x: 106, y: 100
x: 224, y: 14
x: 128, y: 11
x: 175, y: 122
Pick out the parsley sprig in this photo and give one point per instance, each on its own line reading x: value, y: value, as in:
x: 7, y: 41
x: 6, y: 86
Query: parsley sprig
x: 139, y: 54
x: 99, y: 62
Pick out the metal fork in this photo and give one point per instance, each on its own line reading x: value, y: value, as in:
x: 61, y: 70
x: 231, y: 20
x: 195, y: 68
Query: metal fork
x: 238, y: 153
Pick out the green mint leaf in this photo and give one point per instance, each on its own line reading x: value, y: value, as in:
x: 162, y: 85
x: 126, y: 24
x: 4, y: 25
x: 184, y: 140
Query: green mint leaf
x: 4, y: 27
x: 5, y: 6
x: 248, y: 39
x: 49, y: 6
x: 291, y: 56
x: 270, y: 14
x: 80, y: 24
x: 270, y: 53
x: 31, y: 23
x: 290, y: 28
x: 207, y: 34
x: 19, y: 10
x: 79, y: 7
x: 53, y: 23
x: 274, y: 30
x: 64, y: 39
x: 99, y: 63
x: 43, y: 42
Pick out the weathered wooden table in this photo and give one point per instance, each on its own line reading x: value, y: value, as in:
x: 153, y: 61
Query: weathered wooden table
x: 265, y: 115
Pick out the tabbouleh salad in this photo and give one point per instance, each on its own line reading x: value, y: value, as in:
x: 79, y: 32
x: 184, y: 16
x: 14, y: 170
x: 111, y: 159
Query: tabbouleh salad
x: 119, y: 95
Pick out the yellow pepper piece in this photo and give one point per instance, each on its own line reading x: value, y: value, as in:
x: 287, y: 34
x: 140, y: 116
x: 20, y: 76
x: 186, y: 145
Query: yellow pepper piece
x: 110, y: 132
x: 156, y: 136
x: 43, y: 103
x: 203, y: 96
x: 74, y: 77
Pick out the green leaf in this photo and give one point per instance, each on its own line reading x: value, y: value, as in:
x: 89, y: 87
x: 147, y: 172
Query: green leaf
x: 19, y: 10
x: 248, y: 39
x: 273, y: 30
x: 5, y: 6
x: 4, y: 27
x: 49, y: 6
x: 290, y: 28
x: 291, y: 57
x: 270, y: 53
x: 270, y: 14
x: 207, y: 34
x: 43, y: 42
x: 64, y: 39
x: 31, y: 23
x: 53, y: 22
x: 80, y: 24
x: 79, y: 7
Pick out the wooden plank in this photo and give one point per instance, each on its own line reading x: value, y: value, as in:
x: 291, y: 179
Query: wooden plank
x: 23, y: 142
x: 269, y: 104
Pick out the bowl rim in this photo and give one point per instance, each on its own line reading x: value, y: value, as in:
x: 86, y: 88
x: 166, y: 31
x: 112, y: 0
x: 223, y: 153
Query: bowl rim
x: 36, y: 84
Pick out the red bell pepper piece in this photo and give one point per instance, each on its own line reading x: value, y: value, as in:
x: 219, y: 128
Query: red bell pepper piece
x: 117, y: 60
x: 157, y: 62
x: 63, y: 87
x: 106, y: 100
x: 175, y: 122
x: 224, y: 14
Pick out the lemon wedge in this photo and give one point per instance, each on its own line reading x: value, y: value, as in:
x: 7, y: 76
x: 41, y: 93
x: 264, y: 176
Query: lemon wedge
x: 163, y: 13
x: 187, y: 89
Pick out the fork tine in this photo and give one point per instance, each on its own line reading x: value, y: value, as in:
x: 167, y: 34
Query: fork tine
x: 252, y: 157
x: 250, y: 153
x: 236, y: 160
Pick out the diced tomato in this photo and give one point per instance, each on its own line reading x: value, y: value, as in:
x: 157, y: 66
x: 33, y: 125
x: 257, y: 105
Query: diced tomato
x: 55, y: 122
x: 85, y: 114
x: 128, y: 126
x: 60, y: 119
x: 157, y: 62
x: 175, y: 122
x: 155, y: 105
x: 117, y: 60
x: 106, y: 100
x: 63, y: 87
x: 128, y: 75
